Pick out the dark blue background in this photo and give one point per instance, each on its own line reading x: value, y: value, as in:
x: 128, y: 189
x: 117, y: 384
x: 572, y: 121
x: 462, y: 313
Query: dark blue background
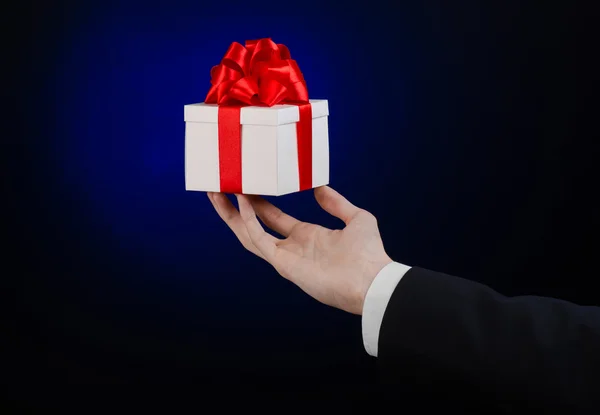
x: 460, y: 125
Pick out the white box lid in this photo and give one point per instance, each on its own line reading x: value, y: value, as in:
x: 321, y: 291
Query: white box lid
x: 275, y: 115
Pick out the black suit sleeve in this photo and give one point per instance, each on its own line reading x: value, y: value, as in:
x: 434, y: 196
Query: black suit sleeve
x: 459, y: 336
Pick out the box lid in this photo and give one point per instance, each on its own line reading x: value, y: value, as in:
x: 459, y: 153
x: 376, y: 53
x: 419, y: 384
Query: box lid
x: 275, y: 115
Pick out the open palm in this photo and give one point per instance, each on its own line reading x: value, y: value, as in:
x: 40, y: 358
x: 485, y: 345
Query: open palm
x: 335, y: 267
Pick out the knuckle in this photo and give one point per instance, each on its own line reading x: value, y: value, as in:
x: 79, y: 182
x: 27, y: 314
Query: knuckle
x: 299, y: 230
x: 228, y: 216
x: 277, y: 215
x: 251, y: 239
x: 258, y: 239
x: 247, y: 218
x: 300, y: 226
x: 367, y: 216
x: 333, y: 204
x: 274, y: 215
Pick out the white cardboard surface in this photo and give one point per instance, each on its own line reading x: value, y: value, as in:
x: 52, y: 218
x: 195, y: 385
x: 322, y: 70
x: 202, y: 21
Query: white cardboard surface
x: 269, y: 148
x: 275, y: 115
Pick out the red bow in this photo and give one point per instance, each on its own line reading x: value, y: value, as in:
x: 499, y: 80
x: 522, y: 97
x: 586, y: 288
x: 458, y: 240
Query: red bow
x: 262, y: 73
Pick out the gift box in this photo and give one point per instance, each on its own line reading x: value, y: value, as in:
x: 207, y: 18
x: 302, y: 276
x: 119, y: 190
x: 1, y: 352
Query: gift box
x: 257, y: 132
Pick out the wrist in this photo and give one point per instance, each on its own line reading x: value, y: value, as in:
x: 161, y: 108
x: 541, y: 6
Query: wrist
x: 371, y: 271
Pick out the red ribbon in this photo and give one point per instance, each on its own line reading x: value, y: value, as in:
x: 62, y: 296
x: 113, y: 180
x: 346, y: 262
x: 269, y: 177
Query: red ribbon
x: 262, y: 74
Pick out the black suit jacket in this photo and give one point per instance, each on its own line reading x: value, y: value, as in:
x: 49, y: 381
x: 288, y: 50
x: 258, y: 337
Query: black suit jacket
x: 447, y: 340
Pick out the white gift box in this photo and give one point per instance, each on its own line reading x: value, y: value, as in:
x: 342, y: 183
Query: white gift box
x: 268, y: 144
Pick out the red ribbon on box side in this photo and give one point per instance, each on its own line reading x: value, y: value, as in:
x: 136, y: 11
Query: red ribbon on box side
x: 262, y: 74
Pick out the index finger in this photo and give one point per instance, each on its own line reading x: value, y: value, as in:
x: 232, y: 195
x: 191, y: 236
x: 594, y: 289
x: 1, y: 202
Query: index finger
x: 266, y: 244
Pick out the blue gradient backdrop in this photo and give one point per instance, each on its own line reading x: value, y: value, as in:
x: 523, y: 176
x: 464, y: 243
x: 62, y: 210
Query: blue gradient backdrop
x: 448, y: 122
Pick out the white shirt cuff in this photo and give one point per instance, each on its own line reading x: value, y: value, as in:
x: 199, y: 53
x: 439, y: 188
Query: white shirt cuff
x: 376, y: 302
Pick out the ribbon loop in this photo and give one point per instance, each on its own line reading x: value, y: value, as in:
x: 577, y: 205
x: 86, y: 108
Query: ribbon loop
x: 236, y: 58
x: 222, y: 73
x: 271, y: 92
x: 260, y: 73
x: 244, y: 89
x: 285, y: 52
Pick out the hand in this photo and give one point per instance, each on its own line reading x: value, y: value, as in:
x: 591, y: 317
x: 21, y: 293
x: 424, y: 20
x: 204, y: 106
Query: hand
x: 336, y: 267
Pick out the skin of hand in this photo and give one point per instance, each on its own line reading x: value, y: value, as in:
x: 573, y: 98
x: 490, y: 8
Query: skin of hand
x: 336, y: 267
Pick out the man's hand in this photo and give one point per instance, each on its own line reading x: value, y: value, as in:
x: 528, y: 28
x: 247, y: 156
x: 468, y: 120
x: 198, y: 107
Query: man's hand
x: 336, y: 267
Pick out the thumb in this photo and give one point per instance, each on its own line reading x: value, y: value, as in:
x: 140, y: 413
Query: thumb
x: 335, y: 204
